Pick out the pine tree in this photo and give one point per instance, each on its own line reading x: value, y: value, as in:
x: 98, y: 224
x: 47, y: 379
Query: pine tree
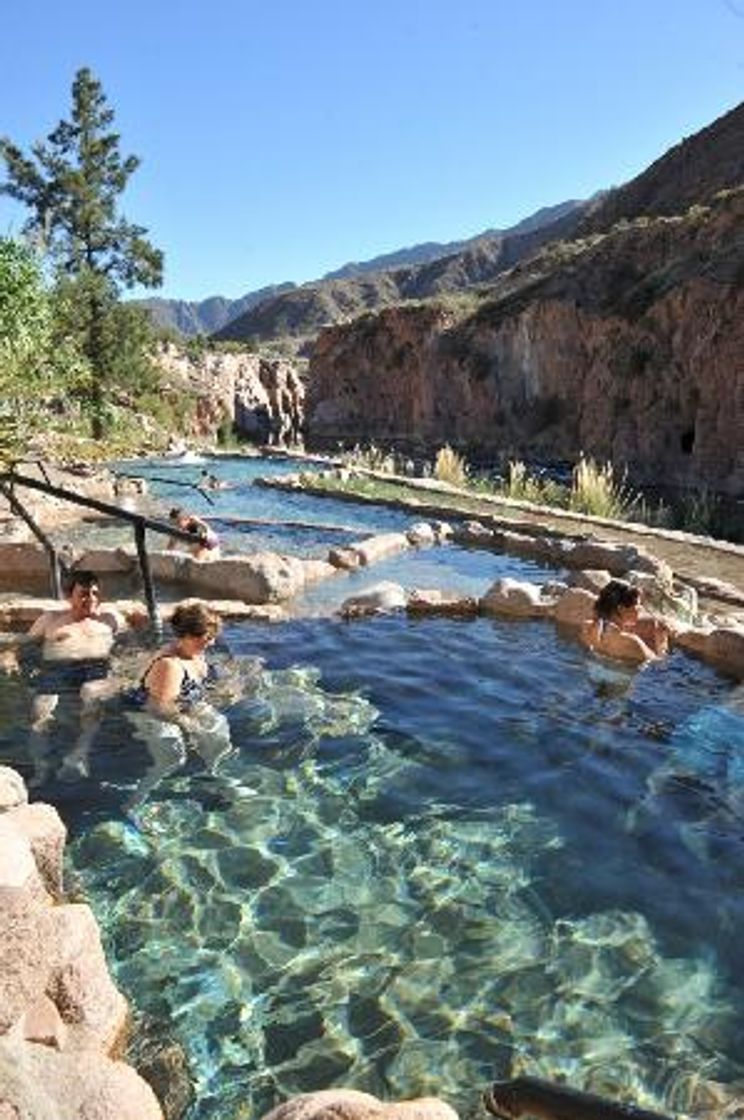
x: 71, y: 183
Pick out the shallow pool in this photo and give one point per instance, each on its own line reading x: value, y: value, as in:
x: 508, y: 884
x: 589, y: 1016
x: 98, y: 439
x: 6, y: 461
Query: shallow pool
x: 248, y: 517
x: 441, y: 852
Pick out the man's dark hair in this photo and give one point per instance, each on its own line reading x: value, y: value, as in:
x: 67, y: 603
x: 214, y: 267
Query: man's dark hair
x: 80, y: 577
x: 175, y: 513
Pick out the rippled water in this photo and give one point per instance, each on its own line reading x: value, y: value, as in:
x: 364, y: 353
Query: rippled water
x: 441, y: 852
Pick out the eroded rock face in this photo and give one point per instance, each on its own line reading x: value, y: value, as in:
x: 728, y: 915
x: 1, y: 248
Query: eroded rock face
x: 629, y: 346
x: 263, y: 397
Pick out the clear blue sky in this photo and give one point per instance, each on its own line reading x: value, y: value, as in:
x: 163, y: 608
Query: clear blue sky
x: 282, y: 138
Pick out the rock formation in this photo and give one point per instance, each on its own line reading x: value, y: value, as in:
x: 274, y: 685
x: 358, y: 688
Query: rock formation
x: 263, y: 398
x: 62, y: 1020
x: 627, y: 345
x: 625, y: 342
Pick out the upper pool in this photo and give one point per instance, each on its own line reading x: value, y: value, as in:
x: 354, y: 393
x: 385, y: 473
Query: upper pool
x: 441, y: 852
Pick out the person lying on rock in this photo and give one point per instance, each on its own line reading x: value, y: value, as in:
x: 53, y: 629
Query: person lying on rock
x: 618, y: 630
x: 206, y: 544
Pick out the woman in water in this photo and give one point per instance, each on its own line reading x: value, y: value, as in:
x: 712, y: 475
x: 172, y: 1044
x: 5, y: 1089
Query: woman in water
x: 169, y: 708
x: 206, y: 542
x: 174, y: 680
x: 617, y: 629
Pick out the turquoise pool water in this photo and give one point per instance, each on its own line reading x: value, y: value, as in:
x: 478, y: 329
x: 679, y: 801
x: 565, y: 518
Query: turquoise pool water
x: 316, y: 523
x: 441, y: 852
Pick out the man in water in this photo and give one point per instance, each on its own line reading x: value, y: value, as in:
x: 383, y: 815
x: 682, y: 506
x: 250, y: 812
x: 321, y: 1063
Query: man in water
x: 76, y: 644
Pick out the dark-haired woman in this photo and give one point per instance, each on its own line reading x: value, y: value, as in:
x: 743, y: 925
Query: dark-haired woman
x: 618, y: 630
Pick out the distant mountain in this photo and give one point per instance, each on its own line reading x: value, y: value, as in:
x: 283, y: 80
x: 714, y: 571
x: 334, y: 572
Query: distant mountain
x: 691, y: 172
x: 435, y: 250
x: 302, y: 312
x: 208, y: 315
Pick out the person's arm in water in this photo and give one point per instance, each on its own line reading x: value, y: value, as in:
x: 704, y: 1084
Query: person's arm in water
x: 613, y: 642
x: 655, y: 633
x: 12, y: 644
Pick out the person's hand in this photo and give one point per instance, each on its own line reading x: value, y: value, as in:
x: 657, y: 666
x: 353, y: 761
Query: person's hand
x: 137, y: 617
x: 9, y: 661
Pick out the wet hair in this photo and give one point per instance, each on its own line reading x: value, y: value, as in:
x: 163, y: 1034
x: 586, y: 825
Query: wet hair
x: 80, y: 577
x: 176, y: 513
x: 614, y: 596
x: 194, y: 620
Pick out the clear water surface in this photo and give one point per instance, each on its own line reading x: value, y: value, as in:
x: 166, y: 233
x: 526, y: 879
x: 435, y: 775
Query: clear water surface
x: 441, y: 852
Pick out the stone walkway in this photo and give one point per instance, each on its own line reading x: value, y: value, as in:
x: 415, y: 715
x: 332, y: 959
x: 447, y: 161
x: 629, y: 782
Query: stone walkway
x: 695, y: 559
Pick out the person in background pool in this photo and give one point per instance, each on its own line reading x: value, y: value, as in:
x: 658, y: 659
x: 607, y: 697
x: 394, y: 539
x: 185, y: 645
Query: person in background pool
x: 619, y: 631
x: 209, y: 481
x: 206, y: 544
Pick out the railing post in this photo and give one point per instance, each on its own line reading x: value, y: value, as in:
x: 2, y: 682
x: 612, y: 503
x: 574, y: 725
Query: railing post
x: 20, y: 511
x: 144, y: 562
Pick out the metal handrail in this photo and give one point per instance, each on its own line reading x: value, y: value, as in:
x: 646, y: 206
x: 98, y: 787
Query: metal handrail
x: 11, y: 479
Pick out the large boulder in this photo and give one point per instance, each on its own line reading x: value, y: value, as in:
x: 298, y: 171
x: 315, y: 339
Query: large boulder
x: 39, y: 1083
x: 376, y: 548
x: 41, y: 826
x: 80, y: 984
x: 725, y: 648
x: 12, y: 789
x: 348, y: 1104
x: 263, y: 577
x: 26, y: 933
x: 421, y: 533
x: 574, y: 607
x: 24, y: 567
x: 509, y: 598
x: 432, y: 601
x: 18, y: 868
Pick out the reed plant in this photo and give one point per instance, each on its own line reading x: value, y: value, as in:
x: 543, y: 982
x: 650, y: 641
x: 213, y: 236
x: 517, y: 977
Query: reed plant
x: 596, y: 491
x: 371, y: 458
x: 450, y: 467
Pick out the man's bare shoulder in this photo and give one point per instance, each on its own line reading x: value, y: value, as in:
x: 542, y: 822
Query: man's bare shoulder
x: 48, y: 621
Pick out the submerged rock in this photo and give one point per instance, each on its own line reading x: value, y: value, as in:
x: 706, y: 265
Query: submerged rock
x: 380, y: 599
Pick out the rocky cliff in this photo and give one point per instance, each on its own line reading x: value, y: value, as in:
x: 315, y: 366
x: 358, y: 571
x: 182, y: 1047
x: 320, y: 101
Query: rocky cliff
x: 627, y: 344
x: 263, y: 398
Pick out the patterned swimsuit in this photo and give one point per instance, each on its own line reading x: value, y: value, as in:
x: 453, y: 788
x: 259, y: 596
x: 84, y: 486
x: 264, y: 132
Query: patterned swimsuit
x: 191, y: 691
